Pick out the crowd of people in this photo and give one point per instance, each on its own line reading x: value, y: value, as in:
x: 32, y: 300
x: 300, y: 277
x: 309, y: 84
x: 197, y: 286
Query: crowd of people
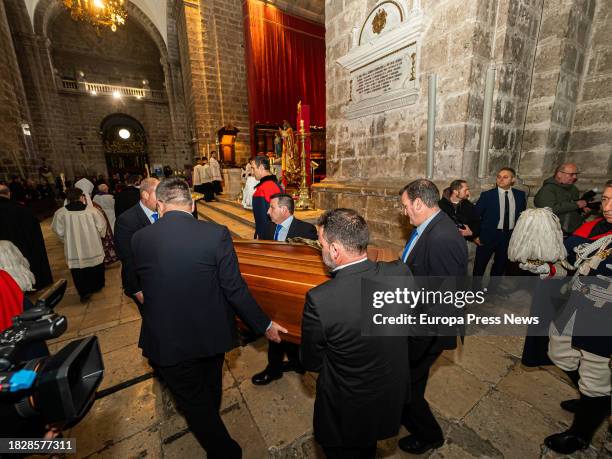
x: 367, y: 386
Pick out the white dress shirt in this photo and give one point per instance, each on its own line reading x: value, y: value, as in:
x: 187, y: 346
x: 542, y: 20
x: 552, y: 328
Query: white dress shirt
x: 147, y: 211
x: 282, y: 234
x: 338, y: 268
x: 502, y: 208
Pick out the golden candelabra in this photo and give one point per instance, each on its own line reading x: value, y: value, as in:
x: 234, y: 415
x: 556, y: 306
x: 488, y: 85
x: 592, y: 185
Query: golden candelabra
x: 304, y: 201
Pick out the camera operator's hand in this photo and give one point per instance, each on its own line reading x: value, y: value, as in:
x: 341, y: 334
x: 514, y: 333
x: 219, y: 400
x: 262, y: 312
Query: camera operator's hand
x: 273, y: 332
x: 466, y: 232
x: 581, y: 203
x: 140, y: 297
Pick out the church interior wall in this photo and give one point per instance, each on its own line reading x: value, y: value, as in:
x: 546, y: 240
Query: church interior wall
x: 540, y: 49
x: 558, y: 73
x: 125, y: 57
x: 214, y: 72
x: 12, y: 146
x: 590, y: 143
x: 83, y: 116
x: 58, y: 47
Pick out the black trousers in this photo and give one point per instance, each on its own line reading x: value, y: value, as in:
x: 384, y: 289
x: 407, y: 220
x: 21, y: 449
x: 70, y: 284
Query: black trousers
x: 497, y: 247
x: 276, y: 355
x: 208, y: 191
x: 417, y: 416
x: 88, y: 280
x: 339, y: 452
x: 196, y: 387
x: 217, y: 187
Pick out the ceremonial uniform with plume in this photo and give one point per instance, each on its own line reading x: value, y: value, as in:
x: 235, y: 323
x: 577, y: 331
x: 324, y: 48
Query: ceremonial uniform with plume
x: 538, y: 244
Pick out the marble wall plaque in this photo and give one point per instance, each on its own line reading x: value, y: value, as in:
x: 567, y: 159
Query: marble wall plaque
x: 383, y: 61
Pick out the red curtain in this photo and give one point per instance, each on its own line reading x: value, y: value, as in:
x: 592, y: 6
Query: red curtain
x: 285, y: 59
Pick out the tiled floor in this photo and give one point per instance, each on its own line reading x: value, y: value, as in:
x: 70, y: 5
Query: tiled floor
x: 488, y: 404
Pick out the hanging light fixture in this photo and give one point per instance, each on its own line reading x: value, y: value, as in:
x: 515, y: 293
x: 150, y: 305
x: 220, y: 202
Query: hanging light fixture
x: 99, y: 13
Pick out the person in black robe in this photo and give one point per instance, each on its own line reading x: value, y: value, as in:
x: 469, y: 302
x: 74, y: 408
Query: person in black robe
x: 20, y: 226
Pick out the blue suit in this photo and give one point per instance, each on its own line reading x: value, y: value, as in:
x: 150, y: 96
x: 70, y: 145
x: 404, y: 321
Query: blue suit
x: 495, y: 241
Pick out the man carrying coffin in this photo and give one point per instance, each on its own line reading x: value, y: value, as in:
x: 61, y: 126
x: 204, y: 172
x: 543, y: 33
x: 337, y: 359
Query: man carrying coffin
x: 283, y: 226
x: 362, y: 379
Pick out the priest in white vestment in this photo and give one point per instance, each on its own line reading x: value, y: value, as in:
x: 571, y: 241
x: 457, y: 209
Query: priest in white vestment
x: 215, y: 172
x: 80, y: 228
x: 107, y: 201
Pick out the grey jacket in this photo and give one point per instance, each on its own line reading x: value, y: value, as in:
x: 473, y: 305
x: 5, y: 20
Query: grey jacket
x: 562, y: 200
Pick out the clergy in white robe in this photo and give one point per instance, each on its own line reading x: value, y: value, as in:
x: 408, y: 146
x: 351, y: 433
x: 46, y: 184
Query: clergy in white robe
x: 80, y: 228
x: 107, y: 202
x: 215, y: 172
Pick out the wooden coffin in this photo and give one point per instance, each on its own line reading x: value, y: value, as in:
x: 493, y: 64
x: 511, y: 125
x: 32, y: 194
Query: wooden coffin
x: 279, y: 275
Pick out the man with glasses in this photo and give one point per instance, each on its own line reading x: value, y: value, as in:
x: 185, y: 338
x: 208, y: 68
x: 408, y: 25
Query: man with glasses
x: 561, y: 195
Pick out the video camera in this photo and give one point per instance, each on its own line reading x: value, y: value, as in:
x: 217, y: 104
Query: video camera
x: 60, y: 388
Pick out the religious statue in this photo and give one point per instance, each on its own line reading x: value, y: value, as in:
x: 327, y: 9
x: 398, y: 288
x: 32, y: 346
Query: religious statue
x: 278, y: 145
x: 290, y: 161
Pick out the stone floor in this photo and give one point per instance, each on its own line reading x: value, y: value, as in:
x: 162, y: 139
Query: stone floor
x: 488, y: 404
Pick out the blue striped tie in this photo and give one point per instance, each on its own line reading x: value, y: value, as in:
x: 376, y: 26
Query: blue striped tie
x: 277, y: 232
x: 413, y: 236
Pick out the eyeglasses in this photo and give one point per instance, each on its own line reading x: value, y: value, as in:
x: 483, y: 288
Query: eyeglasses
x: 570, y: 173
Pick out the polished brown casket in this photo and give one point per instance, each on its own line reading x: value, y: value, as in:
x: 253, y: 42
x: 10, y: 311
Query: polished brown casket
x: 279, y: 274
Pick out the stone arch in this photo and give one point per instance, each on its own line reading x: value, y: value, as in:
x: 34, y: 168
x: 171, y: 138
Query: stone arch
x: 47, y: 10
x: 127, y: 153
x: 118, y: 118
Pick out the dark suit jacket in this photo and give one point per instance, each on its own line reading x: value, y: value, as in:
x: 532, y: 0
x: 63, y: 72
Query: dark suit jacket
x: 192, y: 288
x: 19, y: 225
x: 488, y: 209
x: 298, y: 228
x: 439, y: 251
x: 126, y: 199
x: 464, y: 212
x: 126, y: 225
x: 362, y: 379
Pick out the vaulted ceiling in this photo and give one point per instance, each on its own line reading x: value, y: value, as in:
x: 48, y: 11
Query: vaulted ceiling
x: 154, y: 9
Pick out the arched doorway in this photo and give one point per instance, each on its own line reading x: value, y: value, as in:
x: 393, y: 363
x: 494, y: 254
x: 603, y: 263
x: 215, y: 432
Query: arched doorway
x: 125, y: 144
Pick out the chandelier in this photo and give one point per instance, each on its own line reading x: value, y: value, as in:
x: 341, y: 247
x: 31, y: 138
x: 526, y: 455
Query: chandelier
x: 99, y: 13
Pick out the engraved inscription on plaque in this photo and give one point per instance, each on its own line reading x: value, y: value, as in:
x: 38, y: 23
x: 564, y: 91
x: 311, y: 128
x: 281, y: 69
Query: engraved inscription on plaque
x: 380, y: 78
x: 383, y: 60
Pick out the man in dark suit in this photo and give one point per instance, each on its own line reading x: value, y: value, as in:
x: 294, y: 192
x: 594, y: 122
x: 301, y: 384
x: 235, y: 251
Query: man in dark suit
x: 499, y: 210
x: 128, y: 197
x: 135, y: 218
x: 283, y: 226
x: 20, y: 226
x: 434, y: 248
x: 192, y: 290
x: 456, y: 204
x: 362, y: 379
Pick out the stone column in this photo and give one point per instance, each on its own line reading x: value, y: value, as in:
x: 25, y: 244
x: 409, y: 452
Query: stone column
x: 12, y: 148
x: 590, y: 143
x: 557, y: 74
x: 214, y: 71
